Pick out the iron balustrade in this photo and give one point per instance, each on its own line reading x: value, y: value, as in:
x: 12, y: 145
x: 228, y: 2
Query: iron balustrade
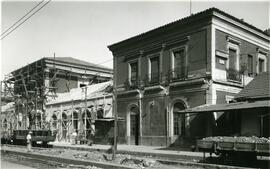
x: 178, y: 73
x: 132, y: 83
x: 234, y: 75
x: 153, y: 79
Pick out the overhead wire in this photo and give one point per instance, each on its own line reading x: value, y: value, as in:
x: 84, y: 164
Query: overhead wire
x: 25, y: 19
x: 21, y: 18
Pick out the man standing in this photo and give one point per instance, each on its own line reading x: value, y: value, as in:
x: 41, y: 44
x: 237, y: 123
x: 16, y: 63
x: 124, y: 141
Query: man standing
x: 29, y: 142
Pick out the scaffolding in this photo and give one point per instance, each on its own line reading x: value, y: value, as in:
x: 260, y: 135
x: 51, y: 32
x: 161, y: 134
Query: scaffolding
x: 33, y: 85
x: 29, y: 87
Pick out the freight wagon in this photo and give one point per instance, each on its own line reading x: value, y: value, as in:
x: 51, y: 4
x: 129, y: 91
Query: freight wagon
x: 245, y: 147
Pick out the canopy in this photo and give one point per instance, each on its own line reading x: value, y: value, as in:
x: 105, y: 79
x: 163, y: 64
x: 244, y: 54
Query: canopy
x: 228, y: 106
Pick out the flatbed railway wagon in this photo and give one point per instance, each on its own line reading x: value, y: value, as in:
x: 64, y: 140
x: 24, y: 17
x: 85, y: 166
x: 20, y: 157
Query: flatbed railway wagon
x: 44, y: 136
x: 19, y: 137
x: 245, y: 147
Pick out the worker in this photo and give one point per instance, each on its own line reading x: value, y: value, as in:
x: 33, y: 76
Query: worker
x: 29, y: 141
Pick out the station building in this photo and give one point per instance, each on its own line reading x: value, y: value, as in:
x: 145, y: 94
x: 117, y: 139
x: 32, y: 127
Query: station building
x: 205, y: 58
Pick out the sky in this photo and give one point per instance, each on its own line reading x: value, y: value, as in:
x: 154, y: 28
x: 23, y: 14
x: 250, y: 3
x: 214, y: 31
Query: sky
x: 84, y: 29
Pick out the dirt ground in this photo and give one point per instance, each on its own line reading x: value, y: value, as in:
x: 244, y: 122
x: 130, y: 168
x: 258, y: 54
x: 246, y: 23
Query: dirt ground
x: 97, y: 156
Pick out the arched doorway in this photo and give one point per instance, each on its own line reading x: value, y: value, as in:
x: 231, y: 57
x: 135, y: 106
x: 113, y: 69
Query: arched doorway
x: 64, y: 125
x: 86, y: 119
x: 134, y: 125
x: 54, y: 124
x: 75, y: 120
x: 38, y: 120
x: 179, y: 120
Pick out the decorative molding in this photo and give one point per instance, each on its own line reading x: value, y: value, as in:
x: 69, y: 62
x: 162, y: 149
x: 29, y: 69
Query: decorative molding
x: 188, y: 82
x: 232, y: 40
x: 231, y: 21
x: 221, y: 26
x: 222, y: 54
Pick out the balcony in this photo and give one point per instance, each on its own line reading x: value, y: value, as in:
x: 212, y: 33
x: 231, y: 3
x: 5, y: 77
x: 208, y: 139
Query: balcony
x: 234, y: 75
x: 177, y: 74
x: 132, y: 83
x: 153, y: 79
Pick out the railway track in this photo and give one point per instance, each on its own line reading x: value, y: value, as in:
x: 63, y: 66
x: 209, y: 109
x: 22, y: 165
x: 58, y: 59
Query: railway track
x: 41, y: 151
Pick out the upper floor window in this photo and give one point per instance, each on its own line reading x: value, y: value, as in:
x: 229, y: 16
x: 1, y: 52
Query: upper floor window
x: 154, y: 72
x: 250, y: 64
x: 179, y: 63
x: 233, y: 63
x: 261, y: 66
x: 133, y: 70
x: 232, y: 59
x: 133, y: 74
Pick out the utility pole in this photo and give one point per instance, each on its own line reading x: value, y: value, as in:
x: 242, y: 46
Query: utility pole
x: 115, y: 109
x: 85, y: 111
x: 190, y: 7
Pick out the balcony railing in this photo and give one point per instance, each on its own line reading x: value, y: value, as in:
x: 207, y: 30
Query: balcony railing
x: 132, y: 83
x: 153, y: 79
x: 177, y: 73
x: 234, y: 75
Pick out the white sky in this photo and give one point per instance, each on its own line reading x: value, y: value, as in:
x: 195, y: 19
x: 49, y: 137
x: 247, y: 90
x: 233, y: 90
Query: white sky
x: 84, y: 29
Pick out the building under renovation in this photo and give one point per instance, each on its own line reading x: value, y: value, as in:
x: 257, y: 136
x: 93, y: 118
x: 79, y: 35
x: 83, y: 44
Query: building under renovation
x: 37, y: 91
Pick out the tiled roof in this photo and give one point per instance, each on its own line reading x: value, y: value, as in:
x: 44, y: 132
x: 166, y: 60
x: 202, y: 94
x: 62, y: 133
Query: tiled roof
x: 258, y: 88
x: 207, y: 12
x: 77, y: 61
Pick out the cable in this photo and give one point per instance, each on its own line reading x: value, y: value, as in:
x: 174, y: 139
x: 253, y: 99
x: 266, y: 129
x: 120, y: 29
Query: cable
x: 25, y: 20
x: 104, y: 62
x: 21, y: 18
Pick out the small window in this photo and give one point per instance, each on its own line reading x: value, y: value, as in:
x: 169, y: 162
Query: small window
x: 250, y: 64
x: 261, y: 65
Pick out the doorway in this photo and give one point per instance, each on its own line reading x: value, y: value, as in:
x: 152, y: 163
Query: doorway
x: 134, y: 125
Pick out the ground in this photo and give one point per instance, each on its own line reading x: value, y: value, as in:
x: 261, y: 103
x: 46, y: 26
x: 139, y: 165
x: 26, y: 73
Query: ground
x: 133, y: 161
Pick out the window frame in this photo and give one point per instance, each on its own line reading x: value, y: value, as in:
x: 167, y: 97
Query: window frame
x: 261, y: 56
x: 129, y: 68
x: 250, y: 70
x: 149, y: 57
x: 179, y: 48
x: 237, y: 49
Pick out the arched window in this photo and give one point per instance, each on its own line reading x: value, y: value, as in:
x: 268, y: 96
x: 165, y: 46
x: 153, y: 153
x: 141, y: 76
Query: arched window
x: 75, y: 120
x: 87, y: 119
x: 54, y: 121
x: 38, y: 119
x: 64, y: 125
x: 179, y: 121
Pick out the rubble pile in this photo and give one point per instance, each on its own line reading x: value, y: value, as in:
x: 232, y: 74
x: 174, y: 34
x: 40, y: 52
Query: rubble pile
x: 238, y: 139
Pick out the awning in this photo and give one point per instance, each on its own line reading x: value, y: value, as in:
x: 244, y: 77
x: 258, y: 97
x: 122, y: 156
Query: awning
x: 228, y: 106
